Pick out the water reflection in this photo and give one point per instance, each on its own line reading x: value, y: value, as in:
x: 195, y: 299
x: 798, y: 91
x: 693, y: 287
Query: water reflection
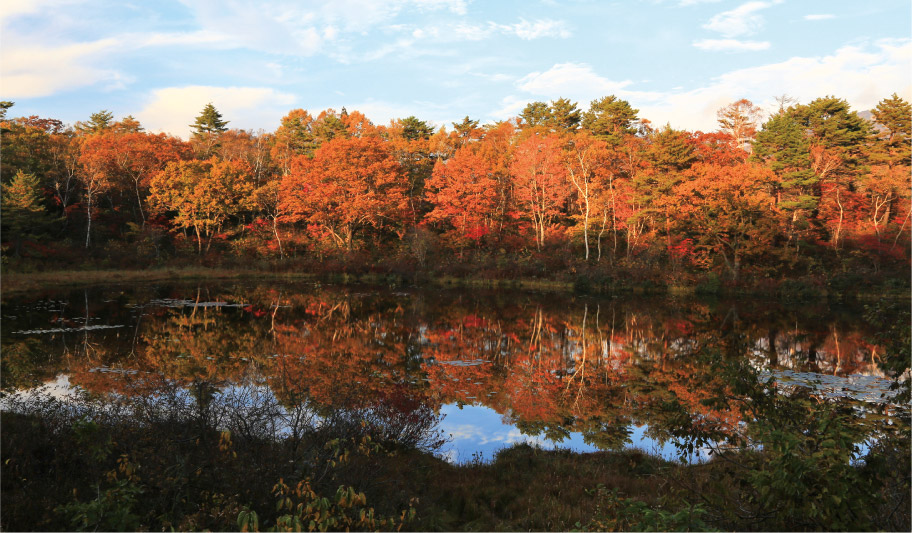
x: 500, y: 367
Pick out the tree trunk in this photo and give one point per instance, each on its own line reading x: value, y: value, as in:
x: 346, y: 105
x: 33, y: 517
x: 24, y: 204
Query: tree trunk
x: 275, y: 230
x: 142, y: 214
x: 88, y: 219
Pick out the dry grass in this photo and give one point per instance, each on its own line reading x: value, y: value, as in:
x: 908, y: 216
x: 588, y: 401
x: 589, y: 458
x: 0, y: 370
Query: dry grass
x: 17, y: 282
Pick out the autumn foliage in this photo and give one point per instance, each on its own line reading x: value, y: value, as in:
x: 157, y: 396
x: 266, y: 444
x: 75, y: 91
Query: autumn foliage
x: 809, y: 188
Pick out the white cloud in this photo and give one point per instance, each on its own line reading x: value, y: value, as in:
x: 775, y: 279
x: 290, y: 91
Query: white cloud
x: 576, y: 81
x: 535, y: 30
x: 862, y: 74
x: 743, y: 20
x: 172, y: 109
x: 457, y: 7
x: 469, y: 32
x: 277, y: 28
x: 731, y: 45
x: 523, y: 29
x: 826, y: 16
x: 35, y: 71
x: 568, y: 79
x: 302, y: 27
x: 14, y: 8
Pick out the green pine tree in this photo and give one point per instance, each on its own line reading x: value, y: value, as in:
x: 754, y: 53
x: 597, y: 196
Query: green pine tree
x: 207, y: 128
x: 23, y: 216
x: 564, y: 115
x: 894, y: 115
x: 610, y: 118
x: 414, y: 129
x: 535, y: 114
x: 97, y: 122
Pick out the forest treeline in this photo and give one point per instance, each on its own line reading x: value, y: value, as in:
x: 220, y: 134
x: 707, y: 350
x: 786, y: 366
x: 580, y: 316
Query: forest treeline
x: 814, y: 189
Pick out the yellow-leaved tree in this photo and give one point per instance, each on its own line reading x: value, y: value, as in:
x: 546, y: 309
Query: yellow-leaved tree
x: 203, y: 195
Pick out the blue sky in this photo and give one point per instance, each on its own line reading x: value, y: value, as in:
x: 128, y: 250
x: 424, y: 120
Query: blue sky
x: 677, y: 61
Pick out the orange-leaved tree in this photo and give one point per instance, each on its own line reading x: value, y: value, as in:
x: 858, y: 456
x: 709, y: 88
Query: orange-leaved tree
x: 541, y: 182
x: 350, y: 185
x: 729, y: 211
x: 203, y: 195
x: 463, y: 191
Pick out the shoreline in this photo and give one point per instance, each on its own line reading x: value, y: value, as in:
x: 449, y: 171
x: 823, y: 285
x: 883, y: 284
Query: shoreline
x: 20, y: 282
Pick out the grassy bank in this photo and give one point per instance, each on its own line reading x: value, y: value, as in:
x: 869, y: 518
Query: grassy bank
x: 836, y: 287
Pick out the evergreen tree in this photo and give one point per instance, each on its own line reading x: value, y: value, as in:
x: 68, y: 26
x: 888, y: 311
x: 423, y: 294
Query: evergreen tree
x: 329, y: 126
x: 782, y: 145
x: 207, y: 128
x: 209, y: 121
x: 564, y: 115
x: 535, y: 114
x: 610, y: 118
x: 414, y: 129
x: 672, y: 150
x: 6, y: 104
x: 466, y: 130
x: 832, y: 125
x: 22, y: 212
x: 97, y: 122
x: 894, y: 115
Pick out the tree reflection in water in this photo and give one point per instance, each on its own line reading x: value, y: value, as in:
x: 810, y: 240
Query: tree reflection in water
x: 550, y: 365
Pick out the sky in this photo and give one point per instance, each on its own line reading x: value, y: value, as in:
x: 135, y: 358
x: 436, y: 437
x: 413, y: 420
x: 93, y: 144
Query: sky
x: 676, y: 61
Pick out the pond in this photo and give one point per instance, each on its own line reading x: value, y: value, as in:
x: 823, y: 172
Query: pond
x: 462, y: 373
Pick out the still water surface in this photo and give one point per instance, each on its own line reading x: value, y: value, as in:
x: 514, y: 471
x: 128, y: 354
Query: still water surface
x: 494, y: 367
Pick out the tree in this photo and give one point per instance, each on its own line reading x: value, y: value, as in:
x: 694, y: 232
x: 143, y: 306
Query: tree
x: 203, y: 194
x: 564, y: 116
x: 837, y: 138
x: 207, y: 127
x: 252, y: 147
x: 542, y: 187
x: 894, y: 115
x: 409, y: 143
x: 268, y: 198
x: 467, y: 130
x: 27, y: 145
x: 329, y: 125
x: 784, y: 148
x: 128, y: 124
x: 535, y: 114
x: 97, y: 123
x: 349, y: 186
x: 294, y: 137
x: 463, y: 192
x: 22, y: 212
x: 6, y: 104
x: 359, y: 125
x: 610, y: 118
x: 671, y: 152
x: 131, y: 159
x: 887, y: 184
x: 98, y: 172
x: 729, y: 210
x: 414, y: 129
x: 740, y: 120
x: 586, y: 160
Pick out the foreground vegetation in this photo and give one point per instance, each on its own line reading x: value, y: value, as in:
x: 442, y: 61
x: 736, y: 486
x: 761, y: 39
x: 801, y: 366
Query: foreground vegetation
x: 158, y: 452
x: 68, y: 469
